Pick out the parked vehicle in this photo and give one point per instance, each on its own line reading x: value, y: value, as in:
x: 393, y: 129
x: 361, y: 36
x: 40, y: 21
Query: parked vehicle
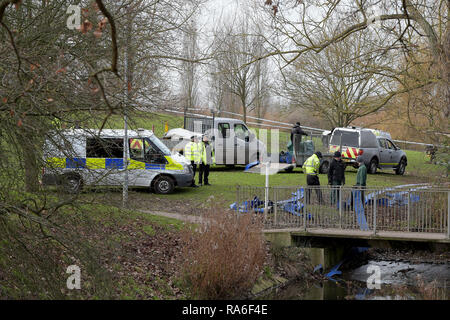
x: 304, y: 147
x: 91, y: 157
x: 374, y: 146
x: 233, y: 142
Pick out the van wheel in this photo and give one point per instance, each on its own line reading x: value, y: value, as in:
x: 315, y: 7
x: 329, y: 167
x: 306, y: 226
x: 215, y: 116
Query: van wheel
x: 164, y: 185
x: 400, y: 170
x: 71, y: 183
x: 325, y: 167
x: 373, y: 166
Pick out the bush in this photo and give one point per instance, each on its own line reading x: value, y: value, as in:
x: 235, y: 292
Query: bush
x: 224, y: 256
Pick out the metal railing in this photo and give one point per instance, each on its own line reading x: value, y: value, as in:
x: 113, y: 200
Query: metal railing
x: 418, y: 208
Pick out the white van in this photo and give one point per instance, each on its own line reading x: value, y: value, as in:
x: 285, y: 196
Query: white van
x: 91, y: 157
x: 233, y: 142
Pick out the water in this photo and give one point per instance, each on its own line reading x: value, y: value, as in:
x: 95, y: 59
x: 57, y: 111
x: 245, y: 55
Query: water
x: 398, y: 280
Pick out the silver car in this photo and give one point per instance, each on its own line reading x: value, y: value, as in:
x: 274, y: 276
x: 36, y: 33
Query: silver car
x: 375, y: 147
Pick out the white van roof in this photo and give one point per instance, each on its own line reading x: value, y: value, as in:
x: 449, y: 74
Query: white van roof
x: 228, y: 119
x: 110, y: 133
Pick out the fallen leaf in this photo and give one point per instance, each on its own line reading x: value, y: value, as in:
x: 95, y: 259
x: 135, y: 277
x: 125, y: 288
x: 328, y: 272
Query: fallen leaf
x: 86, y: 26
x: 19, y: 123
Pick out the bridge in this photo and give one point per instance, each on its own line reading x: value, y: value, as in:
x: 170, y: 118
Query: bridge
x: 333, y: 219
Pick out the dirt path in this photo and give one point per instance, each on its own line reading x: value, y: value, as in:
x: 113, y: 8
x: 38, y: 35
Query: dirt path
x: 178, y: 216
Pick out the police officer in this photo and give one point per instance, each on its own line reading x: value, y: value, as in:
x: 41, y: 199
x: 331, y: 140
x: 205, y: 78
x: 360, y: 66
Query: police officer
x: 206, y: 159
x: 311, y: 168
x: 296, y: 129
x: 336, y: 175
x: 192, y: 153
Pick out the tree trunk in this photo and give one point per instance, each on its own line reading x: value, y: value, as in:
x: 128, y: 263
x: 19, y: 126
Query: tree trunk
x: 30, y: 150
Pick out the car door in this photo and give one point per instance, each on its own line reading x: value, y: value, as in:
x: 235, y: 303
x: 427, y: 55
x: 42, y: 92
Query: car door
x: 394, y: 152
x: 146, y: 161
x: 385, y: 153
x: 241, y: 143
x: 222, y: 143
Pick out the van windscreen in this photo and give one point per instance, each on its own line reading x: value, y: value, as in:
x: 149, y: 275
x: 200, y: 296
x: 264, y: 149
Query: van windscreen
x: 159, y: 145
x: 349, y: 139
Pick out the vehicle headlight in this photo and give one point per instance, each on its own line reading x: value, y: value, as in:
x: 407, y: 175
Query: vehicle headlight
x: 187, y: 168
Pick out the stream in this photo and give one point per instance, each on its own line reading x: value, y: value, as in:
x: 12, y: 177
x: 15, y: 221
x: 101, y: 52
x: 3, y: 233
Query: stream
x: 398, y: 280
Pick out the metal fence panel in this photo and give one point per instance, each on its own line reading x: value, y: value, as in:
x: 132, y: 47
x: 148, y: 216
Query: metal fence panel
x: 414, y: 209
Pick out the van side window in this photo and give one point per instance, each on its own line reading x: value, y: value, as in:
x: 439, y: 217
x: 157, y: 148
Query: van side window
x: 104, y: 148
x: 390, y: 145
x: 224, y: 129
x: 382, y: 143
x: 241, y: 131
x: 136, y: 148
x: 144, y: 150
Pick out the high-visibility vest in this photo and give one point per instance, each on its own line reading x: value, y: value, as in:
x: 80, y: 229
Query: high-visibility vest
x: 312, y: 165
x: 192, y: 152
x: 207, y: 159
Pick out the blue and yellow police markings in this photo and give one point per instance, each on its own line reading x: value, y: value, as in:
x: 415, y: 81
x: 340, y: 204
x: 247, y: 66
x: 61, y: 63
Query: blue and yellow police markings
x: 110, y: 163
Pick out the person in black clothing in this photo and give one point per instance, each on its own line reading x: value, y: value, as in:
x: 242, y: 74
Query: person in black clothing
x: 336, y: 175
x: 296, y: 129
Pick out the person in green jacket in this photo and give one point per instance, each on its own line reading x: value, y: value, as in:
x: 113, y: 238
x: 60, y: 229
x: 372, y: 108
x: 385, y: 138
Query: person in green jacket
x: 361, y: 178
x: 361, y: 175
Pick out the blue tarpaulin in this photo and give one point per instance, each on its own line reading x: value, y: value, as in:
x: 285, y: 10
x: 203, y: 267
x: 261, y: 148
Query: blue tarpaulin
x: 390, y: 197
x: 292, y: 205
x: 285, y: 157
x: 249, y: 205
x: 359, y: 210
x: 251, y: 165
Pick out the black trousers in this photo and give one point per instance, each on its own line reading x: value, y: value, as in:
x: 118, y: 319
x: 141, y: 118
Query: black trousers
x: 313, y: 180
x: 335, y: 191
x: 203, y: 173
x: 194, y: 169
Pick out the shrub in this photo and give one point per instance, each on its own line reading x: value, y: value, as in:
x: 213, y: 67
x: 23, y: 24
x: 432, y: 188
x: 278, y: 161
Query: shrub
x: 224, y: 256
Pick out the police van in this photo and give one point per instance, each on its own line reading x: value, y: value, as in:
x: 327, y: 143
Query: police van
x: 79, y: 157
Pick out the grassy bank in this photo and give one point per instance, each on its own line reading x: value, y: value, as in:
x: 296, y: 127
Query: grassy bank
x: 122, y: 254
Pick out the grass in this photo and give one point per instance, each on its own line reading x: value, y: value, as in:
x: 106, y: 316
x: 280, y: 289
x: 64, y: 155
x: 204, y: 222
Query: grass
x: 108, y: 214
x: 224, y: 180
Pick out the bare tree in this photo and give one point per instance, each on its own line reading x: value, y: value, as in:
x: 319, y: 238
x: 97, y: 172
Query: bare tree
x: 189, y: 75
x: 54, y: 77
x: 235, y: 49
x: 407, y: 27
x: 341, y: 83
x: 263, y: 83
